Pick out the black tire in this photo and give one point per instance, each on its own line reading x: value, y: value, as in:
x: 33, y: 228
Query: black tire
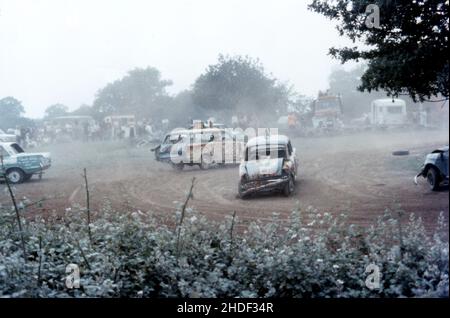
x: 15, y: 176
x: 400, y: 153
x: 242, y: 195
x: 433, y: 178
x: 289, y: 187
x: 206, y: 164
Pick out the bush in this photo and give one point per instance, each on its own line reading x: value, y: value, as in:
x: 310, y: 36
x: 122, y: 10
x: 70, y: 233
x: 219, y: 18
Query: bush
x: 133, y: 255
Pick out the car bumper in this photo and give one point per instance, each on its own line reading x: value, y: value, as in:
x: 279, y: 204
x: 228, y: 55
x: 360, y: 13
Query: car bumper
x: 265, y: 185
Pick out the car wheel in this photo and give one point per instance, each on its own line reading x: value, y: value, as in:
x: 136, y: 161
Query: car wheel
x: 289, y: 187
x: 241, y: 192
x: 206, y: 162
x: 15, y: 176
x: 433, y: 178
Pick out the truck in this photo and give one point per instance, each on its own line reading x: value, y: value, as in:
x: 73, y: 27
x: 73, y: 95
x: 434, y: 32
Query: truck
x: 327, y: 111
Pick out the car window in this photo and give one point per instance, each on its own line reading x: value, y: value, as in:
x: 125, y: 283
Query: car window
x: 262, y: 152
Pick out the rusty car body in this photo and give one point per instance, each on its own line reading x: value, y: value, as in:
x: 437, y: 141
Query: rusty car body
x: 270, y: 165
x: 205, y: 147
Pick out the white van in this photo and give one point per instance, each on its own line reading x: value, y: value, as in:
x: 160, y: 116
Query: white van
x: 388, y: 112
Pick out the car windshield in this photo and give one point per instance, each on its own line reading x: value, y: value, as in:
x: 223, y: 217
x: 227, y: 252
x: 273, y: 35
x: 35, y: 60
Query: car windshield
x: 327, y: 104
x: 263, y: 152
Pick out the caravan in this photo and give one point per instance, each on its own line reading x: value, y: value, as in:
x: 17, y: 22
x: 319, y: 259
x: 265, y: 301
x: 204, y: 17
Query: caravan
x: 388, y: 112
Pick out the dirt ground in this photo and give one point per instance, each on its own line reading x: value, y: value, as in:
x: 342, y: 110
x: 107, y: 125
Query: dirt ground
x: 356, y: 175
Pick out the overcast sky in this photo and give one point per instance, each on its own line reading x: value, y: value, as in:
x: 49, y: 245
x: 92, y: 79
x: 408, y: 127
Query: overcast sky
x: 59, y: 51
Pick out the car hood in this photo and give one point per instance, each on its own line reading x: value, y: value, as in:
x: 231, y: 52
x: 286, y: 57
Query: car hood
x: 262, y: 167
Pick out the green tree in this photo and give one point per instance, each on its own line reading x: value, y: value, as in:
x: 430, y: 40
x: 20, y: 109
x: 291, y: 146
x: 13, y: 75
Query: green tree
x: 141, y: 92
x: 239, y: 84
x: 345, y: 83
x: 56, y: 110
x: 406, y: 52
x: 11, y: 107
x: 11, y: 111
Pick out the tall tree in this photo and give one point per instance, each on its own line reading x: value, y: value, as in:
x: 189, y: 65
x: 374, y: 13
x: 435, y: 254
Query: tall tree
x: 345, y: 83
x: 11, y: 111
x: 406, y: 43
x: 239, y: 84
x: 141, y: 92
x: 11, y: 107
x: 56, y: 110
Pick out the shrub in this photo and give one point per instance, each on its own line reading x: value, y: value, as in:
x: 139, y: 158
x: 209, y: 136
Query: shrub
x: 133, y: 255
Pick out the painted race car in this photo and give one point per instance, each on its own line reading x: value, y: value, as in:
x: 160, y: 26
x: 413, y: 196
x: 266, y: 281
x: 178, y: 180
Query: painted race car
x: 19, y: 166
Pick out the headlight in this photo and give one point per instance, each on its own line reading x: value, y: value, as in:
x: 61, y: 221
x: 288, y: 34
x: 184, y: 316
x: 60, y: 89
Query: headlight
x: 287, y: 165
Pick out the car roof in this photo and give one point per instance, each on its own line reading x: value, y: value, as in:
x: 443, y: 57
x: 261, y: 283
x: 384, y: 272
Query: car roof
x: 271, y: 140
x: 389, y: 102
x: 195, y: 131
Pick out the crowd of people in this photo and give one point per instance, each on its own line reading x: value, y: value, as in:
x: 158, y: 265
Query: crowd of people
x: 85, y: 130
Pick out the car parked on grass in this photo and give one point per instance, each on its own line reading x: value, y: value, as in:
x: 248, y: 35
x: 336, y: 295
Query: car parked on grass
x: 19, y: 166
x: 270, y: 164
x: 435, y: 168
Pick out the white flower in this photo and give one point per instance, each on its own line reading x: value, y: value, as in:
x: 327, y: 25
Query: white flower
x: 340, y: 282
x: 335, y: 266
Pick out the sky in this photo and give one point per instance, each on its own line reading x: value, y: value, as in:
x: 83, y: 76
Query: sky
x: 63, y: 51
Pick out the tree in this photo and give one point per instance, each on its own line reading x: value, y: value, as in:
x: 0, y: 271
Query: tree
x: 345, y: 83
x: 56, y: 110
x: 11, y: 111
x: 407, y: 51
x: 141, y: 92
x: 239, y: 84
x: 11, y: 107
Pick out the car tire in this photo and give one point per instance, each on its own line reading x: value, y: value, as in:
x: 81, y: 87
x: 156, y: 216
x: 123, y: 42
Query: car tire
x: 242, y: 194
x: 289, y: 187
x: 400, y: 153
x: 15, y: 176
x: 206, y: 164
x: 433, y: 178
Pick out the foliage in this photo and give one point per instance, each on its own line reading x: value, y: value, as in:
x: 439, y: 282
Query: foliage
x: 56, y: 110
x: 239, y: 84
x: 135, y: 254
x: 411, y: 43
x: 11, y: 111
x: 345, y: 83
x: 141, y: 92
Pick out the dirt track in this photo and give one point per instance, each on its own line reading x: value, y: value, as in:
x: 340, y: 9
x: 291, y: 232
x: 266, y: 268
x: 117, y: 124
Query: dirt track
x: 355, y: 174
